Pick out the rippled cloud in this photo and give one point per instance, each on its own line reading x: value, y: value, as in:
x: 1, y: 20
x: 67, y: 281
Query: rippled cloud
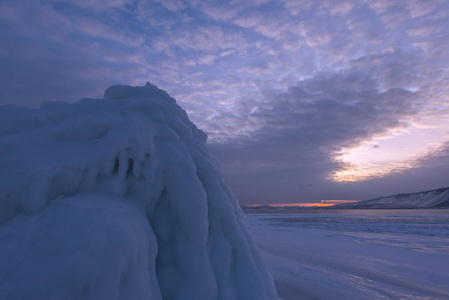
x: 292, y: 93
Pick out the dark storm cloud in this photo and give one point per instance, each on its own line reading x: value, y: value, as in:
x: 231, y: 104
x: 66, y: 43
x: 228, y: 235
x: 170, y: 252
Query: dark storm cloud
x: 303, y: 128
x: 279, y: 86
x: 290, y: 157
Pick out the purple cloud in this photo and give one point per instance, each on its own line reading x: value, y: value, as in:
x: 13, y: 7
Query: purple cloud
x: 278, y: 85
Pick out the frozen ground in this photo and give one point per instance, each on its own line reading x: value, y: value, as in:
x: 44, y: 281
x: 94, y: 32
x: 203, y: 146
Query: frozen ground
x: 376, y: 254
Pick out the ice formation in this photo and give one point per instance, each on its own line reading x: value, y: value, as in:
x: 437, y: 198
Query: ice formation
x: 118, y: 198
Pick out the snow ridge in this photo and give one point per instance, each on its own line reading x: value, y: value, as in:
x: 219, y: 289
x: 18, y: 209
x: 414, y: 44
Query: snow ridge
x: 118, y: 198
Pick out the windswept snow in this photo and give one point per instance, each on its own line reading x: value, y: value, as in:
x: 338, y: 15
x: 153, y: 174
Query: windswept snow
x: 118, y: 198
x: 356, y: 254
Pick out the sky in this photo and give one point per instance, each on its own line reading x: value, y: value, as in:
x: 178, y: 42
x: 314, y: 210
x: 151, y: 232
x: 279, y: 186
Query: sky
x: 302, y: 101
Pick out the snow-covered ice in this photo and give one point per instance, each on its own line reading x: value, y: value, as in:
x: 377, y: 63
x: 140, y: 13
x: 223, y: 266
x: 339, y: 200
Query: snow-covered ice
x: 358, y: 254
x: 118, y: 198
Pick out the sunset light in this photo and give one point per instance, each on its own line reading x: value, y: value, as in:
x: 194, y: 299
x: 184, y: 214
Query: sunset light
x: 323, y: 203
x: 393, y: 153
x: 304, y: 204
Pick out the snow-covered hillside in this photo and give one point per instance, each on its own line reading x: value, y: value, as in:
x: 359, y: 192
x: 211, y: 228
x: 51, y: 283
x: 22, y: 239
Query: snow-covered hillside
x: 118, y: 198
x: 428, y: 199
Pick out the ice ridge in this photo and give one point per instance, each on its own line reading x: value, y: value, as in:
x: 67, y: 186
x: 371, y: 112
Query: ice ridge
x: 118, y: 198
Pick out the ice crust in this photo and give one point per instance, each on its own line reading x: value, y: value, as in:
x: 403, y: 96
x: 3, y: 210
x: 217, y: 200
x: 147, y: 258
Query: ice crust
x: 118, y: 198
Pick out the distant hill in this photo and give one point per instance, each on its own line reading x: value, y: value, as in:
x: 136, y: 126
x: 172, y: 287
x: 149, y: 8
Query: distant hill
x: 438, y: 198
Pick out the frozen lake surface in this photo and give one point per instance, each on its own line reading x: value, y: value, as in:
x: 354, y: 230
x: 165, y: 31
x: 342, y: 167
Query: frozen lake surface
x: 356, y: 254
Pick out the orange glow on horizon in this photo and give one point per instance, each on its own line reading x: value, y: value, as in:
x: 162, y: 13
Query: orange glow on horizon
x: 323, y: 203
x: 295, y: 204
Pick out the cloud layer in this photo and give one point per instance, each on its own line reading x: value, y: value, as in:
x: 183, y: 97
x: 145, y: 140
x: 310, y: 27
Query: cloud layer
x: 283, y: 88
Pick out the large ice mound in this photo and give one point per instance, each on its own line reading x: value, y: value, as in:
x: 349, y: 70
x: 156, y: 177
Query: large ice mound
x: 118, y: 198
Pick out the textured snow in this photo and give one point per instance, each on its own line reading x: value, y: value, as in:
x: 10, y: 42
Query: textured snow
x: 118, y: 198
x: 356, y: 254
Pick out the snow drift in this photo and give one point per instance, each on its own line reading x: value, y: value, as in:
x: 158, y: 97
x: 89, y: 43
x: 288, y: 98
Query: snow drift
x: 118, y: 198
